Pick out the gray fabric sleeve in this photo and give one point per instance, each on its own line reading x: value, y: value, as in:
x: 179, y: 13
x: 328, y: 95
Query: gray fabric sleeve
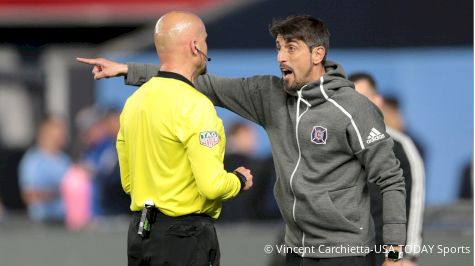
x: 244, y: 96
x: 382, y: 168
x: 138, y: 74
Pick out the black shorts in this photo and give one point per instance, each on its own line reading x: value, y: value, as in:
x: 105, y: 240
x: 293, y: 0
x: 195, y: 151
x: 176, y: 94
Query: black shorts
x: 184, y: 240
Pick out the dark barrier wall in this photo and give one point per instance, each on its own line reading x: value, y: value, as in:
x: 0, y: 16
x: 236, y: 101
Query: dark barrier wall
x: 354, y: 23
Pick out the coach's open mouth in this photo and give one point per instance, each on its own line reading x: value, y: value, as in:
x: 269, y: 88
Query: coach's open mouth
x: 286, y: 72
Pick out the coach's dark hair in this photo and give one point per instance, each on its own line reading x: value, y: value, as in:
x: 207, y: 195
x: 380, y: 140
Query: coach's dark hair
x: 305, y: 28
x: 364, y: 76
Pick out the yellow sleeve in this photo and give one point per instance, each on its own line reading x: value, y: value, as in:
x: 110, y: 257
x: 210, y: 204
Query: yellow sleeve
x: 122, y: 153
x: 204, y: 140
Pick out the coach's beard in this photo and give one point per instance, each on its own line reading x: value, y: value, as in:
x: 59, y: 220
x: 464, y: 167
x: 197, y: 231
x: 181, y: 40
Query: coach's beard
x: 293, y: 86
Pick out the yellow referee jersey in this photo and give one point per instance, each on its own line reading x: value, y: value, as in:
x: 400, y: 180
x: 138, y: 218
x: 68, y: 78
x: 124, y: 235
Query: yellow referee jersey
x: 171, y: 149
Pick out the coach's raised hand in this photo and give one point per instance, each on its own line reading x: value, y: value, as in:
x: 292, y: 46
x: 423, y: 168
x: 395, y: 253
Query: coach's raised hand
x: 104, y: 68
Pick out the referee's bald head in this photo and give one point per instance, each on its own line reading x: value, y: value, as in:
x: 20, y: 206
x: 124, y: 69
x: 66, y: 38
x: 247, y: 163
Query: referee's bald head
x: 180, y: 40
x: 175, y: 29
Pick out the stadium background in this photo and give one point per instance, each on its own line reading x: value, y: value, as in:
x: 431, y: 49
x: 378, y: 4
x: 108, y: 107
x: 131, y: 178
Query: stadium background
x: 420, y: 51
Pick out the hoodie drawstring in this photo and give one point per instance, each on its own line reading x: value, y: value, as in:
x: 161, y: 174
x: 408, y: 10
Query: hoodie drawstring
x: 298, y: 117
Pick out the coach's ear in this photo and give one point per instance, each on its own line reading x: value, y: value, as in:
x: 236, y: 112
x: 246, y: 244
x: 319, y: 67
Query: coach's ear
x: 318, y: 53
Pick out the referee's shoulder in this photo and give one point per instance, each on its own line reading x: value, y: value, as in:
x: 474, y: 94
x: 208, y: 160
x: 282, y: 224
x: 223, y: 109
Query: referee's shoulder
x: 195, y: 97
x: 191, y: 99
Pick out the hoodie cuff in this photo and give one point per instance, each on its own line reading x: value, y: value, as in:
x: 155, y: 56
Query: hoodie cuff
x: 394, y: 234
x: 137, y: 74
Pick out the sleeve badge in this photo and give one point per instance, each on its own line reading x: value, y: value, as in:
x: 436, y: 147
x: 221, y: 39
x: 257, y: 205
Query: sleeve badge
x: 209, y: 138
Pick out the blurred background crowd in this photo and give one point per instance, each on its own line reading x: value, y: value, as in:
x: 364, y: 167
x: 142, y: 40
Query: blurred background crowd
x: 58, y: 163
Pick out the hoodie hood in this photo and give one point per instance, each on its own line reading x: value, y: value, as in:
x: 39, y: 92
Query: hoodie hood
x: 333, y: 79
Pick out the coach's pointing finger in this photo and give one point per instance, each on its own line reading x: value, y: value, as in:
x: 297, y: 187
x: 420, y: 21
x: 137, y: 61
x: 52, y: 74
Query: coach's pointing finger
x: 104, y: 68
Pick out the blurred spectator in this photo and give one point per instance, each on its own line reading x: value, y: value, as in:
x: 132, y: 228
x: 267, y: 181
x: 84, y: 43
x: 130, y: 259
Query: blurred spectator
x: 410, y: 161
x: 393, y: 118
x: 242, y: 140
x: 257, y: 203
x: 99, y: 129
x: 77, y: 187
x: 92, y: 185
x: 466, y: 187
x: 88, y: 149
x: 91, y: 131
x: 112, y: 199
x: 76, y: 193
x: 41, y: 171
x: 241, y: 144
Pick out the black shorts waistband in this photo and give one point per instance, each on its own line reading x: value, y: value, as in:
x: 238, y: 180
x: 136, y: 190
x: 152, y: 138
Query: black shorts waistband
x: 161, y: 215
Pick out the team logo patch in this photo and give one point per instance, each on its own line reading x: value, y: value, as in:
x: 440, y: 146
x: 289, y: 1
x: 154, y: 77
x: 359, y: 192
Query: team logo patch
x: 319, y: 135
x: 209, y: 138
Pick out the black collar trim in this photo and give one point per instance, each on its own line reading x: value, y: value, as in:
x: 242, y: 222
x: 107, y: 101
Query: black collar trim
x: 173, y: 75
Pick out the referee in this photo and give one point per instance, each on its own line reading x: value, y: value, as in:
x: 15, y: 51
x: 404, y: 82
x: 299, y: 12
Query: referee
x: 171, y: 155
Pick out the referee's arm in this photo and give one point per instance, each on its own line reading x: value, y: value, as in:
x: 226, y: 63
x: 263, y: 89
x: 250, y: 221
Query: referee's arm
x: 207, y: 166
x: 123, y: 160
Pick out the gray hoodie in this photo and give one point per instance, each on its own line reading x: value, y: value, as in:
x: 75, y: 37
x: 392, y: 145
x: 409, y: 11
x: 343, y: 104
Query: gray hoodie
x: 327, y: 142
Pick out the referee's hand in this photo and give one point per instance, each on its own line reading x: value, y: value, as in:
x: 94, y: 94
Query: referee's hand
x: 247, y: 173
x: 104, y: 68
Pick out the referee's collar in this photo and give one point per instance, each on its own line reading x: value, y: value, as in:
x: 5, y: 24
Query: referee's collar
x: 173, y: 75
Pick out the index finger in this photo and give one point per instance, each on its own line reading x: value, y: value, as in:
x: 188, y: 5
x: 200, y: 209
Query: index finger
x: 87, y: 61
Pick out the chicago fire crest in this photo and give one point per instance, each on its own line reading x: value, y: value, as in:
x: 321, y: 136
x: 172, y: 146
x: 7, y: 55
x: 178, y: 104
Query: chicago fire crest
x: 319, y: 135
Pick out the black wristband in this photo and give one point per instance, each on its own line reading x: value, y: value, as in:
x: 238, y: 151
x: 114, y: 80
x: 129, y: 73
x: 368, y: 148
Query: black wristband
x: 394, y: 255
x: 241, y: 178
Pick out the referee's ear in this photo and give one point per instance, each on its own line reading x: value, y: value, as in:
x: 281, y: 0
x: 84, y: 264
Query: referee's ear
x: 194, y: 48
